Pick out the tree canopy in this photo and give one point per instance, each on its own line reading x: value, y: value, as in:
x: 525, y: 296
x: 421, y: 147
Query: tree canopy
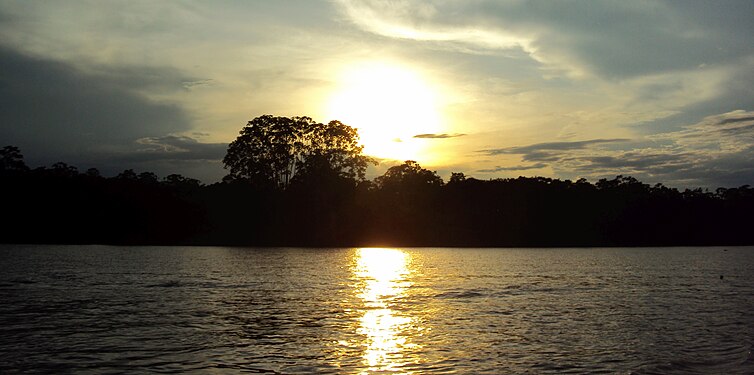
x: 409, y: 174
x: 272, y: 150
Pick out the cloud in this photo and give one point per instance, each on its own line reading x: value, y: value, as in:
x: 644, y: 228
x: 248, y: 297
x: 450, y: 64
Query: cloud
x: 513, y: 168
x: 611, y: 38
x: 724, y: 133
x: 632, y: 162
x: 100, y: 117
x: 54, y: 110
x: 551, y: 146
x: 716, y: 151
x: 438, y: 136
x: 124, y: 82
x: 416, y: 21
x: 189, y: 85
x: 544, y: 154
x: 689, y: 169
x: 173, y: 147
x: 736, y: 119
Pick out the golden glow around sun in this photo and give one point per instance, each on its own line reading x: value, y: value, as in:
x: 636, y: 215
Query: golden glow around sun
x: 389, y: 105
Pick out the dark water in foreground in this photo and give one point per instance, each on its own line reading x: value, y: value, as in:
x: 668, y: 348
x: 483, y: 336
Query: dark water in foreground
x: 96, y: 309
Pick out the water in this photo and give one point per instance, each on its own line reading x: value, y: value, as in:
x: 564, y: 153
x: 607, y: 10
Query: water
x: 99, y: 310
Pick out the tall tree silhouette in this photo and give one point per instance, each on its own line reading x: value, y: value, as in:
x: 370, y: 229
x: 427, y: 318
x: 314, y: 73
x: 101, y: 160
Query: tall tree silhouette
x: 273, y: 150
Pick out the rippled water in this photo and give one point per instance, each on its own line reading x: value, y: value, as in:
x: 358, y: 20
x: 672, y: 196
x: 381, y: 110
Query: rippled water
x: 97, y: 309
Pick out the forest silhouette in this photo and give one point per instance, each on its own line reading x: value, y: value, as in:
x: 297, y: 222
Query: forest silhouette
x: 296, y: 182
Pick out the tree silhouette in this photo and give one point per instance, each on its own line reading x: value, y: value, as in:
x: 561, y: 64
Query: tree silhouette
x: 272, y: 150
x: 11, y: 160
x: 93, y: 173
x: 127, y: 175
x: 178, y: 181
x: 406, y: 204
x: 457, y: 177
x: 327, y: 203
x: 335, y: 150
x: 409, y: 175
x: 64, y: 170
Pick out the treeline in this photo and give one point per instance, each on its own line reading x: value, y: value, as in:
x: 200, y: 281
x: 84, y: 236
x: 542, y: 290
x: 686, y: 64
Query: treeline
x: 407, y: 206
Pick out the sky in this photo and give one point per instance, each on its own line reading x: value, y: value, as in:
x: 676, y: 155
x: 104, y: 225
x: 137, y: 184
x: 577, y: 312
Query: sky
x: 658, y: 90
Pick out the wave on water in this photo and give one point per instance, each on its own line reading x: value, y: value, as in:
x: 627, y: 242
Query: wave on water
x: 461, y: 294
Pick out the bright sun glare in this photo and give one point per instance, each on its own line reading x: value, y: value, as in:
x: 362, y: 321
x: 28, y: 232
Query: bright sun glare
x: 389, y: 105
x: 385, y: 273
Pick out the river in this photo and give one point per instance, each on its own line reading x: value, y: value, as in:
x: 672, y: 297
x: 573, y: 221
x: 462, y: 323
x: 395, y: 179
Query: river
x: 109, y: 309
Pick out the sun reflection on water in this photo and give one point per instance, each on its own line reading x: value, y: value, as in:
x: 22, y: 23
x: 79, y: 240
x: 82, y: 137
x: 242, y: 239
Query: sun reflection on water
x: 385, y: 274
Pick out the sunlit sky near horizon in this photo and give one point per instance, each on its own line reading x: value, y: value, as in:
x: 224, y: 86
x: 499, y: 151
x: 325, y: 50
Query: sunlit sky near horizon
x: 662, y: 91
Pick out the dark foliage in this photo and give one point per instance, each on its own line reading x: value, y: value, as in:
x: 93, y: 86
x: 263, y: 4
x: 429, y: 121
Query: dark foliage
x: 275, y: 151
x: 407, y: 206
x: 61, y: 205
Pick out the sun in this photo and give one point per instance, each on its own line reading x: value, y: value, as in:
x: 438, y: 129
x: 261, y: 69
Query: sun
x: 389, y: 104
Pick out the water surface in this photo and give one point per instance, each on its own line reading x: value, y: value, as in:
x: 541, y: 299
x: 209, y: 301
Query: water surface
x: 100, y: 309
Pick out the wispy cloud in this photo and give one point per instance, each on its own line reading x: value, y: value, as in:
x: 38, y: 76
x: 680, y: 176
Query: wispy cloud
x: 189, y: 85
x: 716, y: 151
x: 438, y: 136
x: 719, y: 150
x: 513, y: 168
x: 550, y: 146
x: 174, y: 147
x: 635, y: 39
x: 724, y: 133
x: 418, y: 21
x: 736, y: 119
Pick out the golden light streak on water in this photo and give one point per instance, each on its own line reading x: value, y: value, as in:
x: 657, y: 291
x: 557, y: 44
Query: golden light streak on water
x: 385, y: 273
